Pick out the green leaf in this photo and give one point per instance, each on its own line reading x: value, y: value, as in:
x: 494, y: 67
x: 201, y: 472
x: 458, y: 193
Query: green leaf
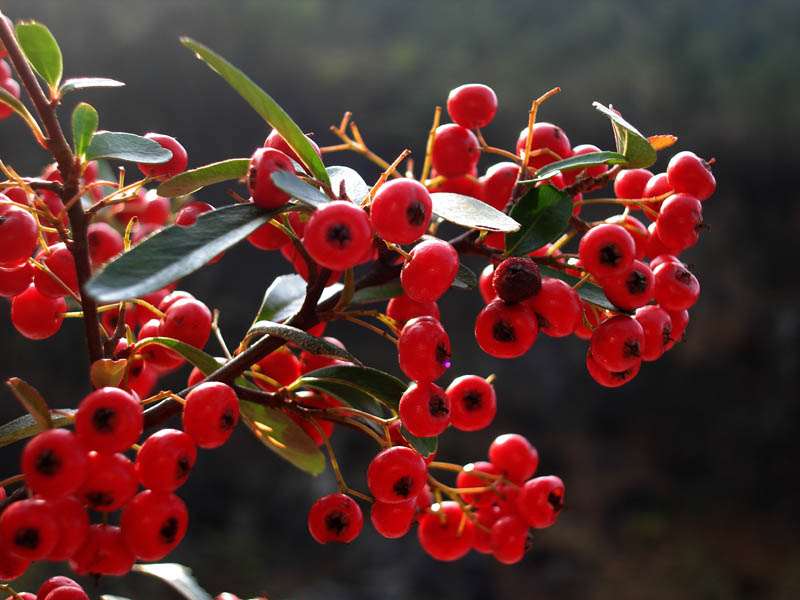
x: 17, y: 106
x: 588, y: 291
x: 32, y: 401
x: 543, y: 212
x: 579, y: 161
x: 264, y: 105
x: 41, y: 50
x: 189, y: 182
x: 82, y: 83
x: 176, y: 251
x: 357, y: 386
x: 84, y: 124
x: 297, y: 188
x: 354, y: 185
x: 465, y: 278
x: 471, y: 212
x: 639, y: 152
x: 107, y: 372
x: 301, y: 339
x: 425, y: 446
x: 26, y: 426
x: 278, y: 432
x: 377, y: 293
x: 205, y: 362
x: 126, y: 146
x: 285, y: 296
x: 176, y: 576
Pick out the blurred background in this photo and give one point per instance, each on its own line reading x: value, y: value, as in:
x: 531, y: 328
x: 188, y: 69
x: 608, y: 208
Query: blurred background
x: 683, y: 483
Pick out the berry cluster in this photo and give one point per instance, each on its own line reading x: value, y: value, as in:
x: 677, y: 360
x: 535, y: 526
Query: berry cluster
x: 56, y: 588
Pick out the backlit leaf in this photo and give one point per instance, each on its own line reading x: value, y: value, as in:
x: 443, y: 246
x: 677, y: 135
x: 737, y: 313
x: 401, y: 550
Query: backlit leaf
x: 639, y: 153
x: 471, y: 212
x: 84, y: 124
x: 189, y: 182
x: 580, y: 161
x: 126, y: 146
x: 32, y: 401
x: 41, y: 50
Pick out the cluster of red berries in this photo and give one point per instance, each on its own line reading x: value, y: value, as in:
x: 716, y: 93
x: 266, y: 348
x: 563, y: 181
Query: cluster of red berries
x: 55, y: 588
x: 495, y: 504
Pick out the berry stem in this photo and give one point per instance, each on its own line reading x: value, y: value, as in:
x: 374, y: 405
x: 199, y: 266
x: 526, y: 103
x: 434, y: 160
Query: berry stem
x: 12, y: 480
x: 426, y: 166
x: 491, y: 149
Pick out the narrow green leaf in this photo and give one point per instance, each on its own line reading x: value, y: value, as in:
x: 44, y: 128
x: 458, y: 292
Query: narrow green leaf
x: 639, y: 152
x: 285, y: 296
x: 377, y: 293
x: 41, y: 50
x: 425, y: 446
x: 346, y: 392
x: 278, y: 432
x: 264, y: 105
x: 465, y: 278
x: 301, y: 339
x: 588, y: 291
x: 205, y: 362
x: 367, y: 383
x: 126, y: 146
x: 189, y: 182
x: 354, y: 185
x: 82, y: 83
x: 297, y: 188
x: 543, y: 212
x: 471, y: 212
x: 84, y: 124
x: 581, y: 161
x: 176, y: 576
x: 26, y: 426
x: 176, y: 251
x: 32, y: 401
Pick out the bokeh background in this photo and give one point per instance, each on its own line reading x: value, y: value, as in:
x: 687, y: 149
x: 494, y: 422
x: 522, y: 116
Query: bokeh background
x: 682, y: 484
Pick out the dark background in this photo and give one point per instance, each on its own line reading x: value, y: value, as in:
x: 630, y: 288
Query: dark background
x: 682, y: 484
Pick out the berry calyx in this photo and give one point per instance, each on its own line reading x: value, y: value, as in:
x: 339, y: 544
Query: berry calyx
x: 400, y: 211
x: 424, y: 409
x: 109, y: 420
x: 430, y: 271
x: 54, y: 463
x: 540, y: 501
x: 505, y: 330
x: 473, y: 402
x: 263, y: 163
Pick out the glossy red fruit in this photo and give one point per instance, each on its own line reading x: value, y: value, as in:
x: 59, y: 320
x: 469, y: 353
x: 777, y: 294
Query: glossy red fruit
x: 509, y: 539
x: 18, y: 234
x: 473, y: 403
x: 610, y: 379
x: 274, y: 140
x: 290, y: 253
x: 444, y: 538
x: 631, y: 289
x: 15, y: 280
x: 630, y: 183
x: 153, y: 523
x: 680, y: 321
x: 5, y: 68
x: 431, y: 270
x: 396, y: 474
x: 281, y: 365
x: 423, y: 349
x: 514, y: 456
x: 680, y: 221
x: 498, y: 183
x: 12, y: 87
x: 53, y: 583
x: 424, y: 409
x: 176, y: 164
x: 105, y: 243
x: 402, y: 309
x: 485, y: 516
x: 36, y: 316
x: 60, y: 261
x: 165, y: 460
x: 28, y: 529
x: 637, y: 230
x: 655, y: 247
x: 540, y: 501
x: 11, y: 566
x: 103, y: 553
x: 337, y: 235
x: 455, y: 150
x: 210, y: 414
x: 67, y: 593
x: 73, y: 526
x: 485, y: 286
x: 187, y: 320
x: 110, y: 483
x: 54, y: 463
x: 688, y: 173
x: 263, y: 163
x: 557, y: 308
x: 657, y: 186
x: 393, y: 520
x: 472, y: 105
x: 109, y: 420
x: 657, y: 326
x: 607, y: 250
x: 335, y: 518
x: 469, y: 478
x: 505, y: 330
x: 617, y: 343
x: 676, y: 288
x: 400, y: 211
x: 517, y: 279
x: 546, y: 136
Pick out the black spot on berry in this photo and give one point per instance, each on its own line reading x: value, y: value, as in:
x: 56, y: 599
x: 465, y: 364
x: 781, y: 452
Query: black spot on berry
x: 226, y: 420
x: 636, y: 282
x: 48, y: 462
x: 98, y: 499
x: 472, y: 400
x: 415, y: 213
x: 543, y: 323
x: 402, y: 487
x: 631, y: 349
x: 104, y: 419
x: 442, y: 354
x: 182, y: 468
x: 610, y: 255
x: 336, y: 522
x: 555, y: 500
x: 27, y: 538
x: 437, y: 406
x: 684, y: 276
x: 169, y: 530
x: 666, y: 335
x: 338, y: 235
x: 503, y: 331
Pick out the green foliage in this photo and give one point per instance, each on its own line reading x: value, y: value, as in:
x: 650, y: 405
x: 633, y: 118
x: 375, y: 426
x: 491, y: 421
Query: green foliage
x: 84, y: 124
x: 42, y: 51
x: 126, y: 146
x: 471, y: 212
x: 194, y: 180
x: 580, y: 161
x: 301, y: 339
x: 83, y: 83
x: 299, y: 189
x: 638, y: 152
x: 543, y: 213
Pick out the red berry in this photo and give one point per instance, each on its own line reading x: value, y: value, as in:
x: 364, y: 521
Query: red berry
x: 11, y: 566
x: 630, y: 183
x: 19, y: 234
x: 337, y: 235
x: 60, y: 261
x: 679, y: 222
x: 455, y: 150
x: 557, y: 308
x: 637, y: 230
x: 431, y: 270
x: 593, y: 315
x: 176, y: 164
x: 467, y: 478
x: 657, y: 326
x: 472, y: 105
x: 54, y: 463
x: 473, y: 403
x: 187, y: 320
x: 274, y: 140
x: 53, y: 583
x: 505, y: 330
x: 67, y: 592
x: 485, y: 285
x: 400, y: 211
x: 680, y: 320
x: 466, y: 185
x: 36, y: 316
x: 28, y: 529
x: 105, y: 243
x: 483, y: 539
x: 12, y: 87
x: 109, y: 420
x: 73, y: 526
x: 5, y: 69
x: 631, y: 289
x: 607, y: 250
x: 655, y: 247
x: 281, y: 365
x: 393, y: 520
x: 402, y: 309
x: 263, y: 163
x: 447, y: 537
x: 210, y: 414
x: 153, y: 523
x: 424, y: 409
x: 541, y: 500
x: 103, y: 553
x: 657, y: 186
x: 15, y: 280
x: 572, y: 174
x: 509, y: 539
x: 498, y: 183
x: 423, y: 349
x: 110, y: 483
x: 514, y: 456
x: 687, y: 173
x: 676, y: 288
x: 396, y: 474
x: 617, y: 343
x: 335, y: 518
x: 165, y: 460
x: 610, y: 379
x: 517, y: 279
x: 546, y: 136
